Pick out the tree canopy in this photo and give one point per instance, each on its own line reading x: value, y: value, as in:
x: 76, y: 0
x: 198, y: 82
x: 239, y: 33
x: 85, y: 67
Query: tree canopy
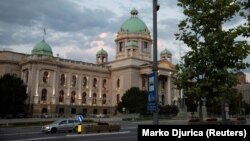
x: 12, y: 95
x: 134, y: 101
x: 217, y: 50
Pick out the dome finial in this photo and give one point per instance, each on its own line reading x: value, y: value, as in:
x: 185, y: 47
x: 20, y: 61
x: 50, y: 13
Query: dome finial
x: 134, y: 12
x: 44, y: 32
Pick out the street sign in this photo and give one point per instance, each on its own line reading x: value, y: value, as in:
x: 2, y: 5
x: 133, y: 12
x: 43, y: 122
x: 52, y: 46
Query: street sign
x: 80, y: 118
x: 151, y: 106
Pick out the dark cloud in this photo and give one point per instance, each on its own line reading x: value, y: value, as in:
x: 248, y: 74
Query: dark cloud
x: 57, y: 15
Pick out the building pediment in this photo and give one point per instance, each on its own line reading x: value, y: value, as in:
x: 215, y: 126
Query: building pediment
x: 164, y: 64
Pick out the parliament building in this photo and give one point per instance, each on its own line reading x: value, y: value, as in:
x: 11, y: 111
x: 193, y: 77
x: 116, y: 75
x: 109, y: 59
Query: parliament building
x: 64, y: 87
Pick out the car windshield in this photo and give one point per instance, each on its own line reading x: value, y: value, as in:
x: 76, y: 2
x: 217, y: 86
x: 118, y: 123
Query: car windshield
x: 57, y: 121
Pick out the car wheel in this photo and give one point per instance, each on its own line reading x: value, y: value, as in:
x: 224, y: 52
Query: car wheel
x: 53, y: 130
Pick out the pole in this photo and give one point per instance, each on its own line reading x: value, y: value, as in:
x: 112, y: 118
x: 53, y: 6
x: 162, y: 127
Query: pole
x: 155, y: 64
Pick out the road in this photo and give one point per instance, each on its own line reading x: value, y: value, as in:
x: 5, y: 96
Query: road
x: 128, y: 132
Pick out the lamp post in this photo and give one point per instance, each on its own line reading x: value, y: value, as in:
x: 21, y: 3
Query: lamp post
x: 155, y: 64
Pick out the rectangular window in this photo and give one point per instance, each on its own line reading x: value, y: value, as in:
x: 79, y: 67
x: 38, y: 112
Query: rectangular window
x: 121, y: 46
x: 73, y: 111
x: 145, y: 46
x: 61, y: 110
x: 84, y: 111
x: 105, y: 111
x: 94, y: 111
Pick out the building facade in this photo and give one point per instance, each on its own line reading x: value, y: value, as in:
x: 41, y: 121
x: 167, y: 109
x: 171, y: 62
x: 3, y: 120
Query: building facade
x: 243, y: 86
x: 64, y: 87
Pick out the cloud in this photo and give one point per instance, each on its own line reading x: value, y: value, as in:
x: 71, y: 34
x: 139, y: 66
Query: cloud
x: 78, y: 29
x: 26, y: 17
x: 88, y: 54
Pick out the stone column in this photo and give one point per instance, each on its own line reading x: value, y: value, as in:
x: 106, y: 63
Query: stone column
x: 69, y: 84
x: 80, y: 87
x: 29, y: 80
x: 100, y: 87
x: 54, y: 84
x: 37, y: 81
x: 169, y: 90
x: 67, y: 100
x: 36, y: 97
x: 90, y: 86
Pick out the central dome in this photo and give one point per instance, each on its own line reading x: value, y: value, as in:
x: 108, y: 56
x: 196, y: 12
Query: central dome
x: 134, y: 24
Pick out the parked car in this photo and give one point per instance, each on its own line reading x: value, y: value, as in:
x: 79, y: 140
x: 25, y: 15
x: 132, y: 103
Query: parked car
x: 61, y: 125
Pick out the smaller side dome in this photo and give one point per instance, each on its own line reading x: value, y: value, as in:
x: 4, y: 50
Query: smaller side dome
x: 102, y: 52
x: 166, y: 52
x: 42, y: 48
x: 132, y: 43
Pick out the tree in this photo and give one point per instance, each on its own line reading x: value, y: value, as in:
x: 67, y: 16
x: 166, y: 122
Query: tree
x: 134, y: 101
x: 12, y: 95
x: 216, y: 53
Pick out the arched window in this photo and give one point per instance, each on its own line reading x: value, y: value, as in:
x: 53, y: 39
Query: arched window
x: 118, y: 84
x: 84, y: 97
x: 104, y: 83
x: 44, y: 95
x: 73, y: 97
x: 45, y: 77
x: 94, y: 98
x: 61, y: 96
x: 84, y: 82
x: 103, y: 59
x: 95, y: 83
x: 143, y: 82
x: 104, y: 99
x: 44, y: 110
x: 74, y: 80
x: 62, y: 79
x: 118, y: 98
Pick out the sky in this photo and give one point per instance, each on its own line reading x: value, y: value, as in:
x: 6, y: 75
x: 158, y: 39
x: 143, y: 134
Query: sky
x: 77, y: 29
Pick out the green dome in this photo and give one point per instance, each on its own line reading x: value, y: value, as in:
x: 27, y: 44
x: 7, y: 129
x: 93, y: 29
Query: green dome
x: 102, y: 52
x: 42, y: 48
x: 166, y: 52
x: 132, y: 44
x: 134, y: 24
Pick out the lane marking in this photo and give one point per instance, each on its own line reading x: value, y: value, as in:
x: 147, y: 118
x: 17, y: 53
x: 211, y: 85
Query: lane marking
x: 24, y: 133
x: 68, y: 136
x: 97, y: 134
x: 127, y: 128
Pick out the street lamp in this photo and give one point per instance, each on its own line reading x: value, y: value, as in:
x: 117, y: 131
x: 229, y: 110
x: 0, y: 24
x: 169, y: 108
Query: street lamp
x: 156, y: 7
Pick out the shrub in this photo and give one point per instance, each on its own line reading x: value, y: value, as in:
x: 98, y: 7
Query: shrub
x: 212, y: 119
x: 171, y: 110
x: 241, y: 118
x: 194, y: 119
